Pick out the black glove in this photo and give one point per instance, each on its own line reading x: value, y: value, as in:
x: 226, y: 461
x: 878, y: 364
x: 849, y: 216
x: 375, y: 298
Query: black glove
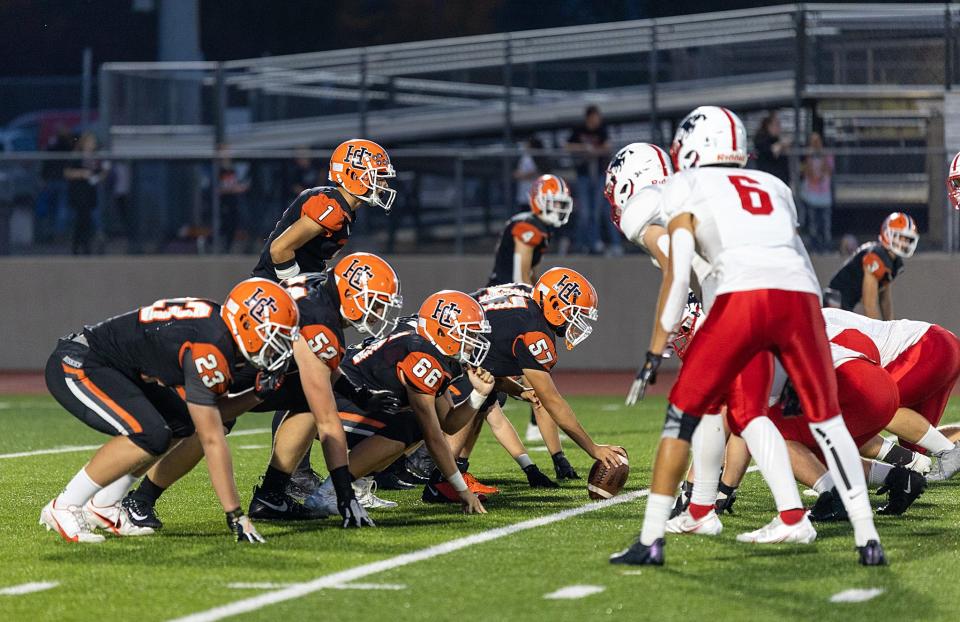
x: 353, y: 514
x: 537, y: 479
x: 646, y: 375
x: 790, y: 401
x: 372, y: 401
x: 562, y: 467
x: 267, y: 383
x: 726, y: 497
x: 241, y: 527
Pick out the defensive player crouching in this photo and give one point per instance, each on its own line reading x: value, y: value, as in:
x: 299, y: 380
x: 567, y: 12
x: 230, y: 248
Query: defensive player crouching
x: 416, y: 365
x: 122, y: 377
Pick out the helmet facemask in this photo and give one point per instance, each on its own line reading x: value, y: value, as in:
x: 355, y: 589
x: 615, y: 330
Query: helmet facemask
x: 375, y: 181
x: 680, y: 340
x: 953, y: 190
x: 473, y: 345
x: 555, y: 209
x: 578, y: 324
x: 902, y: 243
x: 277, y: 344
x: 380, y: 311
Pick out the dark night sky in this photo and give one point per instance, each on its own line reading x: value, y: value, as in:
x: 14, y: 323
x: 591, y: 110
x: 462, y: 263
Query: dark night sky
x: 46, y: 37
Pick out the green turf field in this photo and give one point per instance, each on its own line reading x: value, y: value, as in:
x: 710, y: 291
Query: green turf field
x: 190, y: 566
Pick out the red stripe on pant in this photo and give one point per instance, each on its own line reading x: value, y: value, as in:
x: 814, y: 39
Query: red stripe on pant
x: 743, y: 324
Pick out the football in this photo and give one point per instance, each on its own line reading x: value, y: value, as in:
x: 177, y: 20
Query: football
x: 605, y: 482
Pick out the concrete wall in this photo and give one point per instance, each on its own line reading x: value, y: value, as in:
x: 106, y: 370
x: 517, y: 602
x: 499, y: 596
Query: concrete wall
x: 45, y: 297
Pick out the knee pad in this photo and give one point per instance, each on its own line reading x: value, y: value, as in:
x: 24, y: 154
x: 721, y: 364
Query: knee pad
x: 155, y: 441
x: 679, y: 424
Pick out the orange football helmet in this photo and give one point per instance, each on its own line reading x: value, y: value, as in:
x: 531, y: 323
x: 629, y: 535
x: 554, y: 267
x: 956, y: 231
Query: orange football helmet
x: 369, y: 293
x: 264, y: 321
x: 568, y: 300
x: 899, y: 234
x: 455, y: 323
x: 550, y: 200
x: 361, y: 167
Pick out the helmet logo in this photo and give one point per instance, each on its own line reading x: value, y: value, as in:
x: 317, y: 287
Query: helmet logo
x: 690, y: 123
x: 356, y: 155
x: 567, y: 291
x: 260, y: 306
x: 357, y: 274
x: 446, y: 313
x: 617, y: 162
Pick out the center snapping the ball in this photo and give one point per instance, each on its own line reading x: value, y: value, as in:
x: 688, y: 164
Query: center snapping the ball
x: 605, y: 482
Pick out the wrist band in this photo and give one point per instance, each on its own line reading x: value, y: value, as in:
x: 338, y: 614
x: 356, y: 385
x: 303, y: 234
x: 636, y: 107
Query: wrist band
x: 456, y: 480
x: 477, y: 399
x: 287, y: 269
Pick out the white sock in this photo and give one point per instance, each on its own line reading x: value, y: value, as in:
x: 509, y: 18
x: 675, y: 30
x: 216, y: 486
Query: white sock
x: 843, y: 459
x: 111, y: 494
x: 824, y: 484
x: 885, y: 448
x: 768, y: 448
x: 878, y: 473
x: 655, y: 517
x: 935, y: 442
x: 78, y: 491
x: 707, y: 445
x: 523, y: 460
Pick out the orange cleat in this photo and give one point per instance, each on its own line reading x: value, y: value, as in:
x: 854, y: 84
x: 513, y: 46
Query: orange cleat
x: 477, y: 488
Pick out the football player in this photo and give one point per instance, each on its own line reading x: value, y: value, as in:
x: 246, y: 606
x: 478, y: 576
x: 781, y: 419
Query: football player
x: 525, y: 238
x: 156, y: 375
x: 868, y: 274
x: 362, y: 291
x: 524, y: 328
x: 317, y: 225
x: 416, y: 364
x: 953, y: 182
x: 745, y: 222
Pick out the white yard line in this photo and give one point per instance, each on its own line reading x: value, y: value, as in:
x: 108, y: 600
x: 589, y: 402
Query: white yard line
x: 343, y: 586
x: 74, y: 448
x: 352, y: 574
x: 572, y: 592
x: 28, y: 588
x: 856, y: 595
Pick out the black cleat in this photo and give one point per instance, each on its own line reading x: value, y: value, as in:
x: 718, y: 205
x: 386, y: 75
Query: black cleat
x: 537, y: 479
x: 872, y: 554
x: 726, y: 497
x: 140, y: 512
x: 641, y: 554
x: 683, y: 499
x: 902, y: 486
x: 828, y: 508
x: 303, y: 484
x: 280, y: 506
x: 419, y: 465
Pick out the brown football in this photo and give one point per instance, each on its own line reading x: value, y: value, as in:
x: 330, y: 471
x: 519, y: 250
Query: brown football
x: 604, y: 483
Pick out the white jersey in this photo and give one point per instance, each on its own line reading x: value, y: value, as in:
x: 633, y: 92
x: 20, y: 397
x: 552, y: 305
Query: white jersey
x: 745, y: 228
x: 892, y: 338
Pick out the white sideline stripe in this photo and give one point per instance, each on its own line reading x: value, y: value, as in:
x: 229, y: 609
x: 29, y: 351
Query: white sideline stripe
x: 72, y: 448
x: 352, y: 574
x: 856, y: 595
x: 342, y: 586
x: 574, y: 591
x: 253, y: 446
x: 28, y: 588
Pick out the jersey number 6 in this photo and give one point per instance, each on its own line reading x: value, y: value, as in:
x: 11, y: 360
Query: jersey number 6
x: 424, y: 369
x: 753, y: 198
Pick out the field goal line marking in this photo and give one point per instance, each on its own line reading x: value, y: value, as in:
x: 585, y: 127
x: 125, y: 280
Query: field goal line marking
x: 359, y: 572
x: 66, y: 449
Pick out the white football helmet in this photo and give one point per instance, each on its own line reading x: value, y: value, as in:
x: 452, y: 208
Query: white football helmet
x: 636, y: 166
x: 709, y: 135
x: 953, y: 182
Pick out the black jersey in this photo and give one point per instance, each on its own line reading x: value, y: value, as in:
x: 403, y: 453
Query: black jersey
x: 520, y: 338
x: 173, y: 342
x: 324, y: 205
x: 871, y: 257
x: 523, y: 228
x: 401, y: 359
x: 320, y: 322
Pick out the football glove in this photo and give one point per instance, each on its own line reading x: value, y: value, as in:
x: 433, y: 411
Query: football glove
x: 647, y: 374
x: 562, y: 467
x: 241, y: 526
x: 267, y: 383
x: 726, y: 497
x: 354, y: 514
x: 537, y: 479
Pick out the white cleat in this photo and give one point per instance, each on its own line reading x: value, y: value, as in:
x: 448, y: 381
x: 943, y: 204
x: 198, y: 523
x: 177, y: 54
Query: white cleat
x: 364, y: 488
x: 948, y: 465
x: 323, y: 500
x: 69, y: 523
x: 114, y: 519
x: 707, y: 525
x: 776, y: 531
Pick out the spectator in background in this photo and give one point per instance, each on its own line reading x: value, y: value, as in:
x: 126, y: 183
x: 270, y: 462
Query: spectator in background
x: 52, y: 201
x: 233, y: 185
x: 849, y: 244
x: 83, y: 175
x: 122, y: 207
x: 816, y: 192
x: 528, y: 168
x: 303, y: 174
x: 590, y: 144
x: 771, y: 148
